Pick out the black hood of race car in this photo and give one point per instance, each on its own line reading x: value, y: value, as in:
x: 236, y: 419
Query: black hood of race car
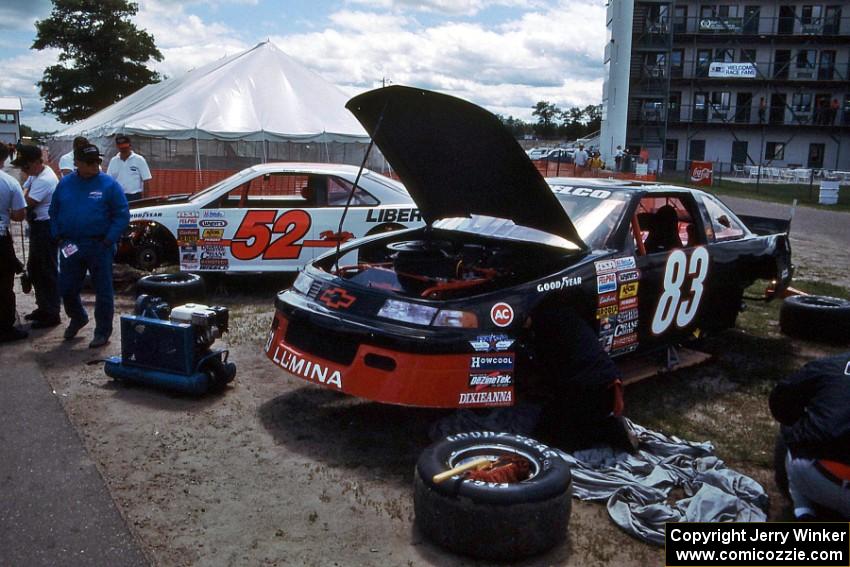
x: 457, y: 159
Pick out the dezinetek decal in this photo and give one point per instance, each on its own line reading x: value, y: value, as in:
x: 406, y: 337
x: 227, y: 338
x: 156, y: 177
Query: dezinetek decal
x: 502, y: 314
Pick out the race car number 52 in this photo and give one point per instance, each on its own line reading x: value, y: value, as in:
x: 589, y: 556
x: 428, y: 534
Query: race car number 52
x: 672, y: 304
x: 254, y: 236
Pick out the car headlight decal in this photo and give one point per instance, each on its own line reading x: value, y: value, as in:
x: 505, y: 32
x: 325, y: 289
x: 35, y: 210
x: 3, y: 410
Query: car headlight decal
x: 302, y: 283
x: 452, y: 318
x: 407, y: 312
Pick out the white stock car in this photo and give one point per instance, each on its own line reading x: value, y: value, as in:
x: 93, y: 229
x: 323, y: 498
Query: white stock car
x: 269, y: 217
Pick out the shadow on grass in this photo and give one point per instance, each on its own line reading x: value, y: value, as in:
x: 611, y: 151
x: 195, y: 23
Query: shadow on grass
x: 343, y: 431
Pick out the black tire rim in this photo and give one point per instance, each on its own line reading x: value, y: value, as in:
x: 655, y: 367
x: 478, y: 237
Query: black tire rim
x: 148, y: 259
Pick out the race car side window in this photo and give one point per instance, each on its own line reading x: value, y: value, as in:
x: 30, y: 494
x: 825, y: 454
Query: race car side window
x: 338, y: 190
x: 666, y: 222
x: 269, y: 191
x: 724, y: 224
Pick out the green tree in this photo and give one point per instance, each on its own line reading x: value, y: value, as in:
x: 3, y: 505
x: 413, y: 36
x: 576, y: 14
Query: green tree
x: 102, y: 60
x: 545, y: 113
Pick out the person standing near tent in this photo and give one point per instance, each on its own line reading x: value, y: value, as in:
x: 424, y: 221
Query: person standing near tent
x: 42, y: 262
x: 129, y: 169
x: 88, y: 214
x: 66, y: 162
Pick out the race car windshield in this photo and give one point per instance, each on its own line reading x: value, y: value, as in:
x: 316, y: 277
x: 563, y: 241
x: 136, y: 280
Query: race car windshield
x: 594, y: 212
x: 503, y: 228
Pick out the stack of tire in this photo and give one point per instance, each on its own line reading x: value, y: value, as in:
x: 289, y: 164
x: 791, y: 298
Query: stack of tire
x: 816, y: 318
x: 493, y: 521
x: 175, y: 289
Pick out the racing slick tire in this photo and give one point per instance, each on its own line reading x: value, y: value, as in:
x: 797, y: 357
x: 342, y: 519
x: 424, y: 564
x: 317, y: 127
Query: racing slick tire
x: 816, y: 317
x: 495, y: 521
x: 148, y: 256
x: 175, y: 289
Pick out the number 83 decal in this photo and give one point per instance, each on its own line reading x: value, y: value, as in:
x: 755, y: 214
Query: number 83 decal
x: 683, y: 288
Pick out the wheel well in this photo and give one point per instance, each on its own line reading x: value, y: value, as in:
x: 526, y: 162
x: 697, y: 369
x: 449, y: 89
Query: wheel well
x: 158, y: 233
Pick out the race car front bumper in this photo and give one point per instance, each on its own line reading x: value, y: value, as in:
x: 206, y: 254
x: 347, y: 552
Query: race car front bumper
x: 368, y: 361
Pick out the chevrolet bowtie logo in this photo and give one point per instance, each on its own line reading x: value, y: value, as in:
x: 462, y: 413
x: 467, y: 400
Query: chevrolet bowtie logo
x: 337, y: 298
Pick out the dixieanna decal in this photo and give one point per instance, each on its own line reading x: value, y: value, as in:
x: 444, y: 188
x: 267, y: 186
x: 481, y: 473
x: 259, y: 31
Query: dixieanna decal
x: 496, y: 397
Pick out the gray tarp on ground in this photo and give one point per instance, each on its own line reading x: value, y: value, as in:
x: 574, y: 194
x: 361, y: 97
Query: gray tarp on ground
x: 637, y: 487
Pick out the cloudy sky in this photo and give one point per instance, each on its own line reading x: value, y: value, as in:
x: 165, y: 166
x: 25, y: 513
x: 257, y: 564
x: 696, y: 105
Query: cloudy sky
x: 502, y: 54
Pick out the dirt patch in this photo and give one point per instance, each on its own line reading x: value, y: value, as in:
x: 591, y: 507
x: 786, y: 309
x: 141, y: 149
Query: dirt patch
x: 276, y: 472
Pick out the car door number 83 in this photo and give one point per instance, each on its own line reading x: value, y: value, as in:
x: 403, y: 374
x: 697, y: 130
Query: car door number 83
x: 684, y: 279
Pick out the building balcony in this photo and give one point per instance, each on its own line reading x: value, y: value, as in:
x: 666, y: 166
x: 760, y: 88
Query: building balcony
x: 792, y: 72
x: 755, y: 27
x: 747, y: 116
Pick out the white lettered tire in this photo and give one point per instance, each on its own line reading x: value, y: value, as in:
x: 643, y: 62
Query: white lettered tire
x: 496, y: 521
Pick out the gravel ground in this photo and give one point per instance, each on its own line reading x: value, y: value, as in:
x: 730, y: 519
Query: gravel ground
x: 276, y: 472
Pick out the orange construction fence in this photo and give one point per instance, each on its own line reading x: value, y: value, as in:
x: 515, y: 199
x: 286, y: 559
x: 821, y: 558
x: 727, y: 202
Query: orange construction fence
x: 555, y: 169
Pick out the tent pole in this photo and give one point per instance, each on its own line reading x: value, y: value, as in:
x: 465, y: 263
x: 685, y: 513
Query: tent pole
x: 199, y: 182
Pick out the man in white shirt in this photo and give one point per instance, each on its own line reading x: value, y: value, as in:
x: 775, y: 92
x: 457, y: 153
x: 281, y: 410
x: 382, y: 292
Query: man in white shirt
x: 42, y: 266
x: 580, y: 160
x: 129, y: 169
x: 66, y: 162
x: 12, y: 208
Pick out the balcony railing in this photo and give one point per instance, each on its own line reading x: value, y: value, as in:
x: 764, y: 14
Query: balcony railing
x: 764, y: 70
x: 743, y: 115
x: 756, y: 25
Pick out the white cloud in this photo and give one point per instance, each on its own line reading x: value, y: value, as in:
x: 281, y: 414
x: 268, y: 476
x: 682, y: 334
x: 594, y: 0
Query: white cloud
x: 21, y: 15
x: 552, y: 53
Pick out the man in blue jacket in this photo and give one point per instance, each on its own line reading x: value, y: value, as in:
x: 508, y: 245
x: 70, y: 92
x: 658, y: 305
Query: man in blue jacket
x: 88, y: 214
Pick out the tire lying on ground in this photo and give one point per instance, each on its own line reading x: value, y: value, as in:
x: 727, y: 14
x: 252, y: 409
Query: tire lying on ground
x: 176, y: 289
x: 816, y: 317
x: 496, y: 521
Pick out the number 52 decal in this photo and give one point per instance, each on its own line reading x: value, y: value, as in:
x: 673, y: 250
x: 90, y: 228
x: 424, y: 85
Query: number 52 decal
x: 674, y: 304
x: 254, y: 235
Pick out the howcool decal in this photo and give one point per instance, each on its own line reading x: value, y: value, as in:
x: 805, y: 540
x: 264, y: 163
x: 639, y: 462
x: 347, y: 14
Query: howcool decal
x: 492, y: 362
x: 502, y: 314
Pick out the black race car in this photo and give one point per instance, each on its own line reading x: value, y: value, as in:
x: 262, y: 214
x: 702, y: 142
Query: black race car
x: 443, y: 316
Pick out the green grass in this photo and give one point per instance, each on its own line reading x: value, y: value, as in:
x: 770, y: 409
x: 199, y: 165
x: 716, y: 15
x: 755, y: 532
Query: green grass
x: 725, y: 399
x: 777, y: 193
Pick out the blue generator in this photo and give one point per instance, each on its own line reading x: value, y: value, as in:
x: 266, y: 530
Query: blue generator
x: 170, y: 348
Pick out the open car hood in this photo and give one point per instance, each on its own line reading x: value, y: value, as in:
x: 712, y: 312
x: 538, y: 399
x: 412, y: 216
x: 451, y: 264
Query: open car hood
x: 456, y: 159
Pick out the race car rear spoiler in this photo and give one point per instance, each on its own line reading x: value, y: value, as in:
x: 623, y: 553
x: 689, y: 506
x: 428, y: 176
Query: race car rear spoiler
x: 766, y: 225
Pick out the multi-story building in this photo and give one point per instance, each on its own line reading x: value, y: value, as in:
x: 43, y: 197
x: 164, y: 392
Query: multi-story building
x: 747, y: 82
x: 10, y: 123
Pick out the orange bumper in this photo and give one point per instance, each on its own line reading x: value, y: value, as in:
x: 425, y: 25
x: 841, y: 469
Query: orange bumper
x: 400, y: 378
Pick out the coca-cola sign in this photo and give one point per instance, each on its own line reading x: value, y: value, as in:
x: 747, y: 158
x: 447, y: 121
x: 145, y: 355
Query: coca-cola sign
x: 701, y: 172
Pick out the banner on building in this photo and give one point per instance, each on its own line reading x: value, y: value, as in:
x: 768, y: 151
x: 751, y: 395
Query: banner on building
x: 728, y: 25
x: 737, y: 70
x: 701, y: 172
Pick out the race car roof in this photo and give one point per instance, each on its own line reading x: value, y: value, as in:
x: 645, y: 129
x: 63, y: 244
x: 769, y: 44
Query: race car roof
x: 456, y: 159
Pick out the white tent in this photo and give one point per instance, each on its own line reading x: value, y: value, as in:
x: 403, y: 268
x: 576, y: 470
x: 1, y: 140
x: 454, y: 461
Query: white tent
x: 259, y: 105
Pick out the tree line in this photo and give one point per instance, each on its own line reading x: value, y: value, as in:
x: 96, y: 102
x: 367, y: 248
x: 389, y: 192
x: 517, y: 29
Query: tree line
x: 552, y: 122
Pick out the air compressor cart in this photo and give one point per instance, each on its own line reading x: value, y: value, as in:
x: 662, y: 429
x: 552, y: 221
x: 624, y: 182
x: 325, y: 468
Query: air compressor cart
x: 170, y: 348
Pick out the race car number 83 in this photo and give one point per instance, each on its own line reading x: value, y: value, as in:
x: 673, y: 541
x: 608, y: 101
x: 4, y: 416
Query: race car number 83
x: 254, y: 235
x: 674, y: 304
